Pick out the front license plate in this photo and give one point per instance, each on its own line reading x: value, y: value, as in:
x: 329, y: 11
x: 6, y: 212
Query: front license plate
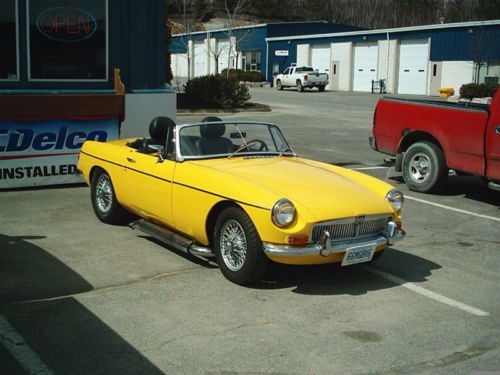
x: 358, y: 255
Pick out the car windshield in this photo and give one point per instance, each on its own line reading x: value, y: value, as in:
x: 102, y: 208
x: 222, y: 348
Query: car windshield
x: 229, y: 139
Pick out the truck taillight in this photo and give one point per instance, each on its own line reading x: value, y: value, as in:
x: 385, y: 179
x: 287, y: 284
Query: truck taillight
x: 306, y: 77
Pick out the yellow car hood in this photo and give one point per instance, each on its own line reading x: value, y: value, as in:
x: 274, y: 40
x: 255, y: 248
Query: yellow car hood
x: 326, y: 191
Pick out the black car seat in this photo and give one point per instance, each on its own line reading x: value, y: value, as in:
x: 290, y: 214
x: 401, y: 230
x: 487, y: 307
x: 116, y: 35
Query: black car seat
x: 211, y: 141
x: 159, y: 129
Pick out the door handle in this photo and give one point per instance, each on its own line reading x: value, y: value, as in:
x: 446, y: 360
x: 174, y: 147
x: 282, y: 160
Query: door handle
x: 130, y: 160
x: 497, y: 129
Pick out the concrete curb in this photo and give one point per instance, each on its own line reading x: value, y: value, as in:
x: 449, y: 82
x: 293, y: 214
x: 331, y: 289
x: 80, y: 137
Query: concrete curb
x: 258, y: 108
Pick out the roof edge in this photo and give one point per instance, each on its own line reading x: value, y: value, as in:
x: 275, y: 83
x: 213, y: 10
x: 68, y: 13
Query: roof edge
x: 392, y: 30
x: 222, y: 30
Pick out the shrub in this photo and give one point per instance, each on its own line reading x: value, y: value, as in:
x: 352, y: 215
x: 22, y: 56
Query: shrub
x: 216, y: 91
x: 245, y: 76
x: 478, y: 90
x: 233, y: 73
x: 249, y: 76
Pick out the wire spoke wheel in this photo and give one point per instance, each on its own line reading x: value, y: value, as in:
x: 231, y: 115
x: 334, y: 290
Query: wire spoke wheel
x: 104, y: 193
x: 233, y: 244
x: 238, y: 247
x: 104, y: 200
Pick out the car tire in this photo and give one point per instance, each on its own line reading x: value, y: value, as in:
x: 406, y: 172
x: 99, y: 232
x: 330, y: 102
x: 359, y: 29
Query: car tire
x: 300, y: 88
x: 424, y: 167
x: 321, y: 88
x: 238, y: 247
x: 106, y: 206
x: 279, y: 86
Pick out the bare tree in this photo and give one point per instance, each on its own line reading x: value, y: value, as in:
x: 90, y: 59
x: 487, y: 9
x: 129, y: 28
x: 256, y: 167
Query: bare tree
x: 479, y: 51
x: 233, y: 10
x: 217, y: 50
x: 189, y: 22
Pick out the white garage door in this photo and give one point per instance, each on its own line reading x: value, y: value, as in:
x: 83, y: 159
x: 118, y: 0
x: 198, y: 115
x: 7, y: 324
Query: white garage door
x: 365, y: 66
x: 200, y: 59
x: 224, y: 54
x: 413, y: 58
x: 179, y: 64
x: 320, y: 57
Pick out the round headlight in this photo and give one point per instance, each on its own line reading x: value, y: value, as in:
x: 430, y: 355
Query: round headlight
x: 395, y: 198
x: 283, y: 213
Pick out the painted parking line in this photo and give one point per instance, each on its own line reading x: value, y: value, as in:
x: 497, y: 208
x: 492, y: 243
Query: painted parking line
x: 19, y: 349
x: 409, y: 197
x: 425, y: 292
x: 451, y: 208
x: 368, y: 168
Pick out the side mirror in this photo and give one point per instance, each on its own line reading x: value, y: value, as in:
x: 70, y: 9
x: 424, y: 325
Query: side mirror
x: 160, y: 150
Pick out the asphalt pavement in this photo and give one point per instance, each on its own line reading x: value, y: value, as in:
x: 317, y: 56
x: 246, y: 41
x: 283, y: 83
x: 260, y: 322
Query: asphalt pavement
x: 81, y: 297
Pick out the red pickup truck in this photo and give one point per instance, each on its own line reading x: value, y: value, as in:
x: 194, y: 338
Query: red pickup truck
x: 430, y: 137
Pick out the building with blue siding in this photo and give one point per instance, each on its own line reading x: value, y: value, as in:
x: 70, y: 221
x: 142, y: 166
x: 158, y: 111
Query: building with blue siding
x: 411, y: 60
x: 209, y: 52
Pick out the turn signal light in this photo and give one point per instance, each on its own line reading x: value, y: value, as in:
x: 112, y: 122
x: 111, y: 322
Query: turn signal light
x: 298, y: 239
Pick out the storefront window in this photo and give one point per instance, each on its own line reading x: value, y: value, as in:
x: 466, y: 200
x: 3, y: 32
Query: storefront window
x: 8, y: 40
x: 251, y: 60
x: 67, y: 39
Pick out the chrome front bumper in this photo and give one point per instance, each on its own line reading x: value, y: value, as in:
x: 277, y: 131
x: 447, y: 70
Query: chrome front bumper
x: 391, y: 236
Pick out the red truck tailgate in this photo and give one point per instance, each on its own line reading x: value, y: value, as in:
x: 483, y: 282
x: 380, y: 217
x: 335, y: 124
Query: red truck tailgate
x: 459, y: 130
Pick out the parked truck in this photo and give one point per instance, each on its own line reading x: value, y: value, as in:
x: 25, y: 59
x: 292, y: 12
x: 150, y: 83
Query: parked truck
x: 301, y: 77
x: 428, y: 138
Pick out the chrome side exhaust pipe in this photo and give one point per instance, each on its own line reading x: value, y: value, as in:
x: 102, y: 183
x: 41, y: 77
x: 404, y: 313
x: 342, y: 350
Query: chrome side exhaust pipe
x: 172, y: 239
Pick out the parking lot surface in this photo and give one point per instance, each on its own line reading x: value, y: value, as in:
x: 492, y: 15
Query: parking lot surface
x: 81, y: 297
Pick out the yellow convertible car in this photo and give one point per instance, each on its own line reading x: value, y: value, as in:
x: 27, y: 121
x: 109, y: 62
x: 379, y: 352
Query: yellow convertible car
x: 235, y: 190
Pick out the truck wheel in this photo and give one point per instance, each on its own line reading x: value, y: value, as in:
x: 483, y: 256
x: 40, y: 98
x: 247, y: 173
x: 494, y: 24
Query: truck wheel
x: 424, y: 167
x: 278, y: 85
x: 321, y: 88
x: 106, y: 207
x: 300, y: 88
x: 238, y: 247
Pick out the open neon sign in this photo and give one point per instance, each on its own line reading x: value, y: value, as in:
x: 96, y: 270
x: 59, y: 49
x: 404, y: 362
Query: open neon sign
x: 66, y: 24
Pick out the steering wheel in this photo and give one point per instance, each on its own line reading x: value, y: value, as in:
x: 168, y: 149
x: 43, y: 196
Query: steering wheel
x: 262, y: 145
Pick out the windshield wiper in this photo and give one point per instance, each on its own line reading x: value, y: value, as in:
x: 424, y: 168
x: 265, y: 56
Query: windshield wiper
x: 243, y: 146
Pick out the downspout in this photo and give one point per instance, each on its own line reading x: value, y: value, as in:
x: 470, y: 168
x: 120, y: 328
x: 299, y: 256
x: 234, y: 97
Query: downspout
x: 387, y: 64
x: 267, y: 60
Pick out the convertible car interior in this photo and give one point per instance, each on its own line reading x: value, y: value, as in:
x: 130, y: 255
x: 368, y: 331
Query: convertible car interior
x: 211, y: 139
x: 161, y: 129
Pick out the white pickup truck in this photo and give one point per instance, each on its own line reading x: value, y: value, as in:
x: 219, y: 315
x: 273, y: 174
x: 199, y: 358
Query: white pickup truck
x: 301, y: 77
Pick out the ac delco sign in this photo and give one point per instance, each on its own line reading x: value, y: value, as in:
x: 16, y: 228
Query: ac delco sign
x: 16, y: 140
x: 66, y: 24
x: 34, y: 153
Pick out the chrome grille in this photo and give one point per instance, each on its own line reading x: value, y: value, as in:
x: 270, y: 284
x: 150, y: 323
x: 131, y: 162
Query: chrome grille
x: 353, y: 227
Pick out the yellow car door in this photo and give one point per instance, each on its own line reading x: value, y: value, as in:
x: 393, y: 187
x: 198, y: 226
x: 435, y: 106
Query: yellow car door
x: 149, y: 185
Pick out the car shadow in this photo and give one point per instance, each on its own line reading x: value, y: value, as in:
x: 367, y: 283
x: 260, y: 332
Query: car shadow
x: 332, y: 279
x: 28, y: 272
x: 45, y: 329
x: 471, y: 187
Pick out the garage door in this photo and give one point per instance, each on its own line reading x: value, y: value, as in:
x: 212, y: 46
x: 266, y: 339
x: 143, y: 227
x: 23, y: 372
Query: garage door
x: 200, y: 59
x: 365, y: 66
x: 224, y: 54
x: 320, y: 57
x: 413, y: 57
